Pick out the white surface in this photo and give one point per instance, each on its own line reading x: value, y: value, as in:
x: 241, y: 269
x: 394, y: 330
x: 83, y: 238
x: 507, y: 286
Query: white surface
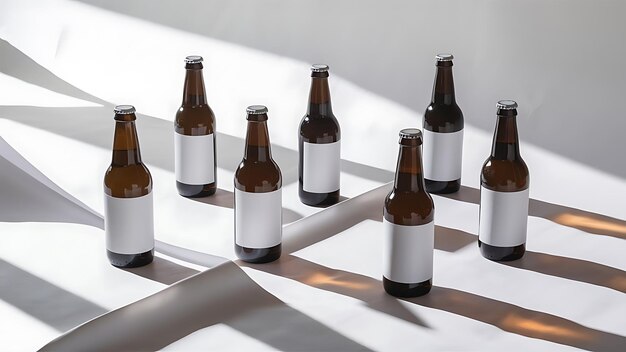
x: 258, y: 219
x: 408, y: 252
x: 194, y: 162
x: 443, y: 155
x: 566, y: 293
x: 129, y: 224
x: 503, y: 217
x: 321, y: 165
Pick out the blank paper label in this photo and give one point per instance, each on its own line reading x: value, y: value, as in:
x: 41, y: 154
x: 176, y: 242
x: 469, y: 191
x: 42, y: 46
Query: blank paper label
x: 408, y: 252
x: 129, y: 224
x: 503, y: 217
x: 321, y: 167
x: 258, y: 219
x: 194, y: 161
x: 443, y: 155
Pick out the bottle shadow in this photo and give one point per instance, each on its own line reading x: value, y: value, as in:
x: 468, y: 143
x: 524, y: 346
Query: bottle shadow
x: 573, y: 269
x: 586, y: 221
x: 224, y: 294
x: 163, y: 271
x: 506, y: 316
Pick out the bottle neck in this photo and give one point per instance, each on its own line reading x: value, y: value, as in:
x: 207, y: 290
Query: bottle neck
x: 409, y: 177
x: 443, y: 90
x: 505, y: 140
x: 125, y: 144
x: 193, y: 93
x: 257, y: 142
x: 319, y: 95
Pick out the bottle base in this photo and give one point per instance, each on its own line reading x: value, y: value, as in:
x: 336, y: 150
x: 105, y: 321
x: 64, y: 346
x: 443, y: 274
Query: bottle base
x: 320, y: 200
x: 502, y: 254
x: 399, y: 289
x: 258, y: 255
x: 442, y: 187
x: 130, y: 260
x: 196, y: 191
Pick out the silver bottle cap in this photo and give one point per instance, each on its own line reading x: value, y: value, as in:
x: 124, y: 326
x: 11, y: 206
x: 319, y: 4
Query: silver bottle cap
x: 124, y: 109
x: 193, y: 59
x: 410, y: 133
x: 319, y: 68
x: 256, y: 109
x: 444, y: 57
x: 506, y: 105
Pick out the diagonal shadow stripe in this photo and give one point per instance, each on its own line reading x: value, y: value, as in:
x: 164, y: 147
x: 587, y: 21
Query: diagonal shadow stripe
x: 43, y: 300
x: 19, y: 65
x: 563, y: 215
x: 223, y: 294
x: 573, y: 269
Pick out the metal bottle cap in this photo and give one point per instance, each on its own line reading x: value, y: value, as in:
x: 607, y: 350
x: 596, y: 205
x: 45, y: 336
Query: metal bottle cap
x: 410, y: 133
x: 506, y: 105
x: 256, y: 109
x: 319, y: 68
x: 444, y: 57
x: 124, y: 109
x: 193, y: 59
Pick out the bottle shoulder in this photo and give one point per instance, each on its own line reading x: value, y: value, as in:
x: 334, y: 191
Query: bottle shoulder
x: 409, y: 208
x: 505, y: 175
x: 258, y: 177
x: 127, y: 181
x: 443, y: 118
x: 320, y: 129
x: 194, y: 120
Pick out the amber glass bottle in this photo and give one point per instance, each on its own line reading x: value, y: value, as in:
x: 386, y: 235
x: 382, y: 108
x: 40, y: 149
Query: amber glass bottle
x: 194, y: 136
x: 128, y: 208
x: 319, y: 145
x: 443, y: 133
x: 258, y: 195
x: 409, y: 227
x: 504, y: 192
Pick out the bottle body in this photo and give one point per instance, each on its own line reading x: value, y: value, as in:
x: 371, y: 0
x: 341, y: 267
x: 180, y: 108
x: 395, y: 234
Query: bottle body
x: 129, y: 219
x: 504, y: 195
x: 258, y: 196
x: 194, y: 137
x: 319, y: 162
x: 443, y: 133
x: 409, y: 228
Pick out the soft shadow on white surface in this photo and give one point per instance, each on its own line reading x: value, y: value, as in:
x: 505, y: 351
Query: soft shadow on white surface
x: 223, y: 294
x: 43, y: 300
x: 547, y: 59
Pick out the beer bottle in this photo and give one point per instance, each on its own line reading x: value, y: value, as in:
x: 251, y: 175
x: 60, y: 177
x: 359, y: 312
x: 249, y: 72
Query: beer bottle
x: 319, y: 145
x: 128, y: 209
x: 408, y: 222
x: 443, y: 133
x: 258, y: 195
x: 194, y: 136
x: 504, y: 190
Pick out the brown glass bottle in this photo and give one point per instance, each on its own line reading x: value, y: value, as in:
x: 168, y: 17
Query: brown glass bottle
x: 194, y: 136
x: 504, y: 196
x: 129, y: 220
x: 443, y: 133
x: 409, y: 224
x: 319, y: 145
x: 258, y: 195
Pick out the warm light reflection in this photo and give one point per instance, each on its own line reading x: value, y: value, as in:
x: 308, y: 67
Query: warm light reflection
x: 531, y: 327
x: 588, y: 222
x: 318, y: 279
x: 619, y: 283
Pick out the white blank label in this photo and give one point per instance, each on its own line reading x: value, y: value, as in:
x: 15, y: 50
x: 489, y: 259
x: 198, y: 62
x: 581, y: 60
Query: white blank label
x: 194, y: 162
x: 443, y: 155
x: 258, y: 219
x: 129, y: 224
x: 503, y: 217
x: 408, y: 252
x: 321, y: 167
